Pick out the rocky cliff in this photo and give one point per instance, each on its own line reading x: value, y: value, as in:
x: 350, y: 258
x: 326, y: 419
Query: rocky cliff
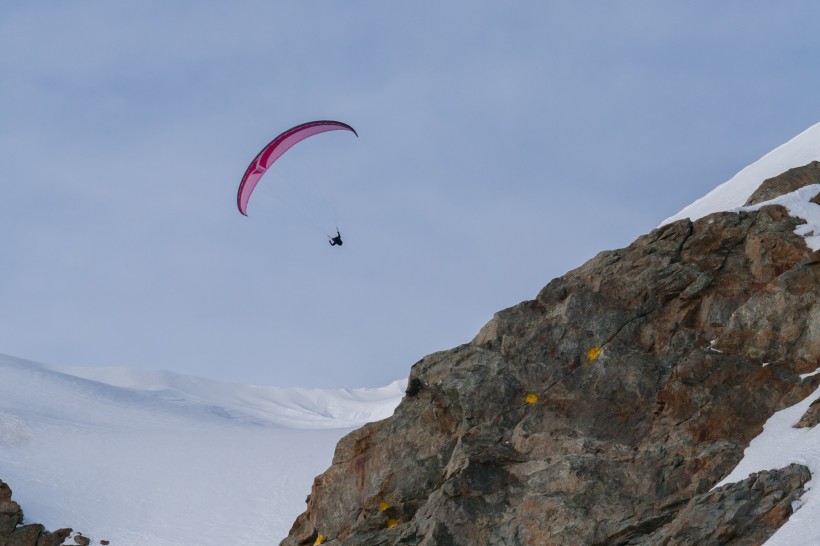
x: 604, y: 411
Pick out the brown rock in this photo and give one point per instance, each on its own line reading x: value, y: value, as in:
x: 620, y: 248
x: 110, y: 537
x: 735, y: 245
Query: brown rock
x: 811, y: 418
x: 54, y: 539
x: 27, y: 535
x: 5, y: 491
x: 10, y: 517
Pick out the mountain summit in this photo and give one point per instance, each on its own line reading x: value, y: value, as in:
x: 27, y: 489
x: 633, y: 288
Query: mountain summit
x: 609, y: 409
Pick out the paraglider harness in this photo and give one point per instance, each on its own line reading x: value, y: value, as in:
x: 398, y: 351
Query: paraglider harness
x: 335, y: 241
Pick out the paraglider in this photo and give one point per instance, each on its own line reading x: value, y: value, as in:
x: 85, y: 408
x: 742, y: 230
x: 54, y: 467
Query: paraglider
x: 274, y: 150
x: 336, y: 241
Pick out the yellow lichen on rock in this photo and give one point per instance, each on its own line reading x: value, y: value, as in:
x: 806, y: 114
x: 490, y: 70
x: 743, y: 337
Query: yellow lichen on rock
x: 383, y: 506
x: 531, y: 398
x: 319, y: 540
x: 593, y: 353
x: 392, y: 522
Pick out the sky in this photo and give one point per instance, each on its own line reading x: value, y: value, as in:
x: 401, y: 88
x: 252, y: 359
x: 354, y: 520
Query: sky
x: 126, y: 127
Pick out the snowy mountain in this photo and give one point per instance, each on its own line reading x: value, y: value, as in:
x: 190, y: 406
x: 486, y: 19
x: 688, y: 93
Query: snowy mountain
x: 164, y: 459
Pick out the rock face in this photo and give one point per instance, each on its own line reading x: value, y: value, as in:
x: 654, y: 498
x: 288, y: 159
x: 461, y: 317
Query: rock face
x: 13, y: 533
x: 603, y: 411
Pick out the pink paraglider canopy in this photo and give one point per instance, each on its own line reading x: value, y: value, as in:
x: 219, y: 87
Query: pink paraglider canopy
x: 274, y: 151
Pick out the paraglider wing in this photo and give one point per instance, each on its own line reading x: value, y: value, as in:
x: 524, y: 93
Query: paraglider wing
x: 274, y: 151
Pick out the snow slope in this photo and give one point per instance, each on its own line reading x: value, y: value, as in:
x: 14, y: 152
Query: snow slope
x: 780, y: 444
x: 164, y: 459
x: 732, y: 194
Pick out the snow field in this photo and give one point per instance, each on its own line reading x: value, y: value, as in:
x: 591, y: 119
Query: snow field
x: 169, y: 460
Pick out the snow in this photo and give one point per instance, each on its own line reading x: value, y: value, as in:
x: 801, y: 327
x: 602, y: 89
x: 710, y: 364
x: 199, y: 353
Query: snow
x: 165, y: 459
x: 799, y: 205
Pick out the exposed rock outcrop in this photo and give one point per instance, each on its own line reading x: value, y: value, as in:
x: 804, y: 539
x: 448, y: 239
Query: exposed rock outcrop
x: 14, y: 533
x: 746, y: 512
x: 603, y: 411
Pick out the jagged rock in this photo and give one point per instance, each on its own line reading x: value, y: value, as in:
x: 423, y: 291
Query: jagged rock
x: 603, y: 411
x: 787, y: 182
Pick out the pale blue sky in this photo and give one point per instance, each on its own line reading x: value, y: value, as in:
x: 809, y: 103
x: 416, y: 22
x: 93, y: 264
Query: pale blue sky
x: 501, y: 144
